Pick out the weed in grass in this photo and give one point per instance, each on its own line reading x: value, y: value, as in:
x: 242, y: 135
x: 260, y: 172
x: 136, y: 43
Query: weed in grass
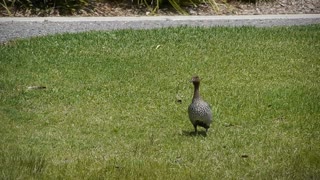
x: 110, y: 110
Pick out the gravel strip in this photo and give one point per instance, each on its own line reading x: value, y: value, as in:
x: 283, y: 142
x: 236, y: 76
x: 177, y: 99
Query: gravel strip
x: 13, y: 28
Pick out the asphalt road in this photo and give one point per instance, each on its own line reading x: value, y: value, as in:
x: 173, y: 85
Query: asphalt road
x: 12, y: 28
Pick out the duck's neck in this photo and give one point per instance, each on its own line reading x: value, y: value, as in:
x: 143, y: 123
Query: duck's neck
x: 196, y: 93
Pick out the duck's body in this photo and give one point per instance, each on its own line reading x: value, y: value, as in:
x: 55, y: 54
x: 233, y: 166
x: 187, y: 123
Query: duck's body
x: 199, y: 111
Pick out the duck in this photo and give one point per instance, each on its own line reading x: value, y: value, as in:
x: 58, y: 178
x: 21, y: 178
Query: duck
x: 199, y: 111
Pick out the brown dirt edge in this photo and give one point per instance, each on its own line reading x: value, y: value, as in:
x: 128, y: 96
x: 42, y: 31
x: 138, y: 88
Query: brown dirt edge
x: 109, y: 9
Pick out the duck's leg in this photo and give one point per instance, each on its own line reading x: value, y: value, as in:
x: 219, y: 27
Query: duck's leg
x: 195, y: 128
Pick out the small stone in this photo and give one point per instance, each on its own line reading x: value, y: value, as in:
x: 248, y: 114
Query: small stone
x: 192, y: 12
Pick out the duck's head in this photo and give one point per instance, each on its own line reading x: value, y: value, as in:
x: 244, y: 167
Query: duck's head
x: 195, y: 79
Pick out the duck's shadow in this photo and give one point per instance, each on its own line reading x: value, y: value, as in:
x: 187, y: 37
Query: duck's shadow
x: 192, y: 133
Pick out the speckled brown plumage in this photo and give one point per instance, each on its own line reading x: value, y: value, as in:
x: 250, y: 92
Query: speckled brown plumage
x: 199, y: 111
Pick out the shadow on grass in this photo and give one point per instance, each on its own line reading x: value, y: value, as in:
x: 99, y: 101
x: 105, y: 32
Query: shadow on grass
x: 192, y: 133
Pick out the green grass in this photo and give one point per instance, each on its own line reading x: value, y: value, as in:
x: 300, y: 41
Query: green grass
x: 110, y: 111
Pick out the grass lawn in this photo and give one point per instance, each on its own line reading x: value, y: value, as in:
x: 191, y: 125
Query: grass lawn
x: 110, y: 110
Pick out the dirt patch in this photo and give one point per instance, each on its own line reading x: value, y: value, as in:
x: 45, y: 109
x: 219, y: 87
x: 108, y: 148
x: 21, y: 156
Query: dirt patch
x: 231, y: 8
